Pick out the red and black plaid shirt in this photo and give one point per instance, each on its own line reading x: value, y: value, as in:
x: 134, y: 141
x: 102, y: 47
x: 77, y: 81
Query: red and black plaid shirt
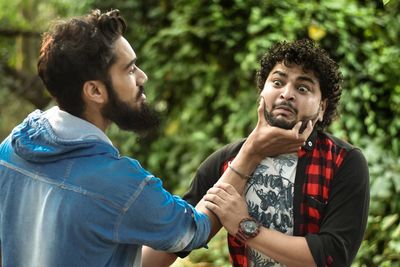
x: 318, y: 163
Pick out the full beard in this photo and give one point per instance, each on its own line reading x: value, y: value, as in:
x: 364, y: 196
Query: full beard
x: 278, y: 122
x: 141, y: 120
x: 289, y: 124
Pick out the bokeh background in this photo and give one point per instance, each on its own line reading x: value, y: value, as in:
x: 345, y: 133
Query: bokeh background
x: 201, y: 58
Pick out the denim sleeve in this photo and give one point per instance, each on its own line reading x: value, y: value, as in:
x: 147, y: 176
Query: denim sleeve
x: 155, y: 218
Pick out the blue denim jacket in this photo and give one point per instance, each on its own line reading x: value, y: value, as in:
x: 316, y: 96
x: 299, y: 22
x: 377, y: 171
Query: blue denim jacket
x: 77, y: 202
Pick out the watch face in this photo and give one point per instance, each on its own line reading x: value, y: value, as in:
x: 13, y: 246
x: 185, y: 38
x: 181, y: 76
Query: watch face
x: 249, y: 227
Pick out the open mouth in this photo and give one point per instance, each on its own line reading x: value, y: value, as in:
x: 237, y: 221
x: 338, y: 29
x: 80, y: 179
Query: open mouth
x: 284, y: 110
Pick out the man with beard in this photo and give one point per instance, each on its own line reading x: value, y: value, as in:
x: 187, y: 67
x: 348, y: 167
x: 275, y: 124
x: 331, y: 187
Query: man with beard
x: 67, y: 197
x: 307, y: 208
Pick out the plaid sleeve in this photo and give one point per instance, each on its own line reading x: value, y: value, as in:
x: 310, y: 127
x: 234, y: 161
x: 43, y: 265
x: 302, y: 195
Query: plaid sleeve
x: 344, y: 214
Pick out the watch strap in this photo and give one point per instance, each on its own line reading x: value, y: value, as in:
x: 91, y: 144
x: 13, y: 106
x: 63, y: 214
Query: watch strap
x: 244, y: 237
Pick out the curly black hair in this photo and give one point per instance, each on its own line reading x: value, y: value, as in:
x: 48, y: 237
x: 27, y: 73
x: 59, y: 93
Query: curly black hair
x: 75, y: 51
x: 307, y: 54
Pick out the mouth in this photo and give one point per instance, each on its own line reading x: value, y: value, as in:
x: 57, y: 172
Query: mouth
x: 141, y: 94
x: 284, y: 110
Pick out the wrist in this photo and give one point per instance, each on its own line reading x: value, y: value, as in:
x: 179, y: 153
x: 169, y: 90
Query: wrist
x: 248, y: 229
x: 249, y: 153
x: 237, y: 172
x: 246, y: 161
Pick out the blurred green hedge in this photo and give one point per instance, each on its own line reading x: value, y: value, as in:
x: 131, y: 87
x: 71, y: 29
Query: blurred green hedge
x: 201, y: 57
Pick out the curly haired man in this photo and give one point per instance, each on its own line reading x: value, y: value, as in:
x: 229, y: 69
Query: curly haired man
x: 307, y: 208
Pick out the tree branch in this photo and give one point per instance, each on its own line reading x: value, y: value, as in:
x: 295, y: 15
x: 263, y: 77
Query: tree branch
x: 18, y: 32
x: 25, y: 85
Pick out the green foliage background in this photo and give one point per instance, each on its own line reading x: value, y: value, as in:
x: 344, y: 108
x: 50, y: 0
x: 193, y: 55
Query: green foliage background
x: 201, y: 58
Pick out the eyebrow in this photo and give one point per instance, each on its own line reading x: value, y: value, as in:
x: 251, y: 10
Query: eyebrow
x: 280, y: 73
x: 131, y: 63
x: 306, y: 78
x: 301, y: 77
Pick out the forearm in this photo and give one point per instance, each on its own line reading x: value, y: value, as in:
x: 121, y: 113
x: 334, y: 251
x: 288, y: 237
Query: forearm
x: 245, y: 165
x: 152, y: 258
x: 155, y: 258
x: 291, y: 251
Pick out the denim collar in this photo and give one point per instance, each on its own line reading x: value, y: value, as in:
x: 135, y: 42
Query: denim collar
x: 70, y: 127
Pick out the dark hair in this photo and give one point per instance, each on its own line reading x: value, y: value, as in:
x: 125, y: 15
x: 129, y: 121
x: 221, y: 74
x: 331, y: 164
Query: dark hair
x: 78, y: 50
x: 305, y: 53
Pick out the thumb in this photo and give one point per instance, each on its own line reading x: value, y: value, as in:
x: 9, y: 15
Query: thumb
x: 261, y: 111
x: 296, y: 128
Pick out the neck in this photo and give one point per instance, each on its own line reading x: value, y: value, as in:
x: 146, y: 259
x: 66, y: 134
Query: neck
x: 95, y: 117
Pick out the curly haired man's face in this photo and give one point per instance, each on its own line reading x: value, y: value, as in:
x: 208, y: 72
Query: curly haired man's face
x: 292, y: 95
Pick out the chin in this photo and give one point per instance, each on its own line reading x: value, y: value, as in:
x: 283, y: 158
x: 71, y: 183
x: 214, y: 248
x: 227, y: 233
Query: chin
x: 284, y: 124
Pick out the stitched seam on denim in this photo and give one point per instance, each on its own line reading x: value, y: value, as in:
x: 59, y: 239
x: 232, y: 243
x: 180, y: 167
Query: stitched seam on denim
x: 130, y: 201
x: 62, y: 185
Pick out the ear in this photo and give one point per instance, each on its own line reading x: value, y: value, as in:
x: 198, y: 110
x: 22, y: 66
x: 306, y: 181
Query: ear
x: 95, y: 91
x: 322, y: 108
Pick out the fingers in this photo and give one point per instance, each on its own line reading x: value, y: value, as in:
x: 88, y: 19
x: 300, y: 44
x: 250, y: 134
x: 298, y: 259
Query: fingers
x: 225, y: 202
x: 261, y: 111
x: 290, y: 136
x: 214, y: 194
x: 213, y: 198
x: 296, y: 129
x: 307, y: 131
x: 218, y: 195
x: 227, y: 189
x: 213, y: 207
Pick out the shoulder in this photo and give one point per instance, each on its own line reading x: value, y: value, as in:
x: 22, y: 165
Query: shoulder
x: 228, y: 151
x: 340, y: 147
x: 210, y: 170
x: 335, y: 141
x: 117, y: 178
x: 220, y: 156
x: 350, y: 159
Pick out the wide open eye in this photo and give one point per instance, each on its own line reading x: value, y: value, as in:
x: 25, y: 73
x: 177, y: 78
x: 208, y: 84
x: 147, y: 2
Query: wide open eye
x: 277, y: 83
x: 303, y: 89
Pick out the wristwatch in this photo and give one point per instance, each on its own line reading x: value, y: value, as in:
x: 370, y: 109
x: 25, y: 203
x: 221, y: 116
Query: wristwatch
x: 248, y: 228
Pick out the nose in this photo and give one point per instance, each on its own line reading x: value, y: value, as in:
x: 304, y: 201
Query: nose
x: 288, y: 93
x: 141, y: 76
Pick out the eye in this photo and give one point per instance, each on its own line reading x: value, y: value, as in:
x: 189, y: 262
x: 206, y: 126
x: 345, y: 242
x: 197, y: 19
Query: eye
x: 132, y: 69
x: 303, y: 89
x: 277, y: 83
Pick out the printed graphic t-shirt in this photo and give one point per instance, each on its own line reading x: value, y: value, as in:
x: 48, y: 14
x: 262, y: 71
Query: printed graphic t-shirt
x: 269, y: 196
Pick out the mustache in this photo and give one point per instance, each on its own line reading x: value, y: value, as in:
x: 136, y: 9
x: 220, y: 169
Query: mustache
x: 285, y: 105
x: 140, y: 92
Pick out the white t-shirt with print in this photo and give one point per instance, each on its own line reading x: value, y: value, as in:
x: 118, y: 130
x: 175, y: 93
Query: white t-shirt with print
x: 269, y: 197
